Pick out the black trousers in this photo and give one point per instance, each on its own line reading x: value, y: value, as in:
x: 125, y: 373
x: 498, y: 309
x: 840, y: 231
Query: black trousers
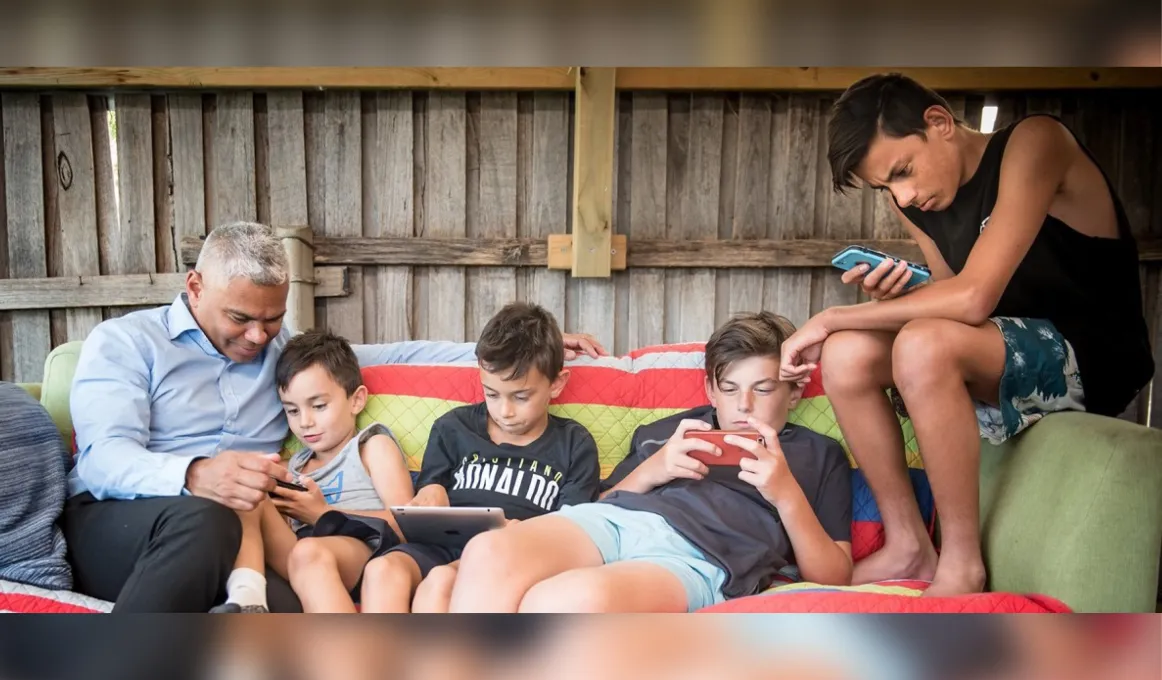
x: 170, y: 554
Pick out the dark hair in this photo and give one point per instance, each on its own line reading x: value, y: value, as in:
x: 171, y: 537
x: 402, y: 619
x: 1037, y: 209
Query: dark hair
x: 520, y: 336
x: 330, y: 351
x: 893, y: 104
x: 745, y: 335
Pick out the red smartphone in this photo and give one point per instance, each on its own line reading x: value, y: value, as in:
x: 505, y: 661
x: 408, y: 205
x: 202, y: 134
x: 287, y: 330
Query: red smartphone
x: 731, y: 454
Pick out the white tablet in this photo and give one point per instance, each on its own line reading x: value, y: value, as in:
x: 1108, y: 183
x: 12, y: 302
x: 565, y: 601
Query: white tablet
x: 444, y: 526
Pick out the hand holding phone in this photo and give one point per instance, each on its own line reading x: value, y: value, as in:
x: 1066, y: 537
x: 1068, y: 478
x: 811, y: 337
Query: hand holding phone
x: 287, y: 485
x: 882, y: 276
x: 731, y: 454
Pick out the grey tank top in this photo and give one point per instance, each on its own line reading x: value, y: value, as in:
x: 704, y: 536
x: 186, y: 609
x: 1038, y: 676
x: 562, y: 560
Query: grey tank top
x: 344, y: 481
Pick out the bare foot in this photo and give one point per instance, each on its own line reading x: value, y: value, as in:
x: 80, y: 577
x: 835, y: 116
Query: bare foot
x: 897, y: 561
x: 956, y: 579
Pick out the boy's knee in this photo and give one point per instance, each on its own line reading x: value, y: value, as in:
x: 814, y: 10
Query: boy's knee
x: 308, y: 554
x: 568, y: 594
x: 848, y: 358
x: 441, y: 576
x: 490, y: 552
x: 923, y: 354
x: 388, y: 571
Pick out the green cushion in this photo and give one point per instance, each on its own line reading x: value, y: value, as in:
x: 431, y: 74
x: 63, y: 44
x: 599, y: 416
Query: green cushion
x: 1072, y: 507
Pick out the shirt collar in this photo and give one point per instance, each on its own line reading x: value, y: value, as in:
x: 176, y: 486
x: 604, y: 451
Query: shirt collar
x: 180, y: 318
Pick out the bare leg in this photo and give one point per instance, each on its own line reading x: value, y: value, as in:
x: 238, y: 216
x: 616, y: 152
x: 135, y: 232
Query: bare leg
x: 278, y: 539
x: 250, y: 554
x: 388, y: 584
x: 434, y: 594
x: 857, y: 370
x: 498, y: 568
x: 623, y: 587
x: 940, y: 367
x: 324, y: 570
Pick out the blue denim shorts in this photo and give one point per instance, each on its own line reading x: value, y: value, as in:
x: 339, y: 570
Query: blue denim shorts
x: 623, y: 535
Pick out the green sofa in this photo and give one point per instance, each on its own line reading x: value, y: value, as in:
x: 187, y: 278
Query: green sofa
x: 1072, y: 508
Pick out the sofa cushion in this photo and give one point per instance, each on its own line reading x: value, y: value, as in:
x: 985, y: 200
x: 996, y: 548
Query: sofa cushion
x: 612, y: 397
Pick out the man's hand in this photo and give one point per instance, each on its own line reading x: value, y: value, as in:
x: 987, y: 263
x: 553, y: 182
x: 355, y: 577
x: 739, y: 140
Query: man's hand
x: 768, y: 471
x: 884, y: 282
x: 236, y: 479
x: 801, y: 351
x: 431, y: 496
x: 577, y: 344
x: 305, y: 506
x: 673, y: 460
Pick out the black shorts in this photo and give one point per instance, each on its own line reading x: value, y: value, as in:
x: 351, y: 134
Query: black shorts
x: 374, y: 532
x: 427, y: 556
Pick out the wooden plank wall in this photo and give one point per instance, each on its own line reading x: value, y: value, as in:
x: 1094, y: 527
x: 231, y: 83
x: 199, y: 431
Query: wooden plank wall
x: 699, y: 165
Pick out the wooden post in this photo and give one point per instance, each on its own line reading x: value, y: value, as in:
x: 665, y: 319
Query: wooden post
x: 299, y: 243
x: 593, y: 172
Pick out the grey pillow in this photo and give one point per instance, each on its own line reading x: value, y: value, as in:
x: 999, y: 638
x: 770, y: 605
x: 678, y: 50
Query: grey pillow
x: 33, y: 486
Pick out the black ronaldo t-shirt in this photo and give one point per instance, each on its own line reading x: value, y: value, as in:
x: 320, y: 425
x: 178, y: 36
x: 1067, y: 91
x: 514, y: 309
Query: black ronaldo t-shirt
x: 727, y: 518
x: 559, y: 468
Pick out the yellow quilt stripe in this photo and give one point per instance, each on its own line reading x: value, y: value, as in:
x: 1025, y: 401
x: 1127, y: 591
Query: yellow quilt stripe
x: 411, y: 418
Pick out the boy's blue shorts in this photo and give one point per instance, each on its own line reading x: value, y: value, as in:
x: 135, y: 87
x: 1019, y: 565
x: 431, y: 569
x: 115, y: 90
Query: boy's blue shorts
x: 624, y: 535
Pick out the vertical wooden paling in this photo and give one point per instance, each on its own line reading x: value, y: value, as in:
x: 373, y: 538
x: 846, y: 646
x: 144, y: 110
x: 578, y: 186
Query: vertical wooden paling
x: 647, y: 216
x: 188, y: 168
x: 24, y: 208
x: 74, y: 174
x: 694, y: 162
x: 444, y: 212
x: 752, y: 196
x: 388, y: 208
x: 232, y: 185
x: 131, y: 248
x: 794, y: 164
x: 343, y: 211
x: 492, y: 199
x: 546, y: 211
x: 286, y: 186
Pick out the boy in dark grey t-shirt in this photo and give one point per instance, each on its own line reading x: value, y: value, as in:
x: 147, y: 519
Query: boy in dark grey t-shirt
x: 507, y: 452
x: 671, y: 533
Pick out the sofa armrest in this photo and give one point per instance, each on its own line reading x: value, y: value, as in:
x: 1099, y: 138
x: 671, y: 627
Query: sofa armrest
x: 1072, y: 508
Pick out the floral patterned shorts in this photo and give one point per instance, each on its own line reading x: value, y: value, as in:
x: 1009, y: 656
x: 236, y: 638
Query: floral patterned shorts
x: 1040, y: 377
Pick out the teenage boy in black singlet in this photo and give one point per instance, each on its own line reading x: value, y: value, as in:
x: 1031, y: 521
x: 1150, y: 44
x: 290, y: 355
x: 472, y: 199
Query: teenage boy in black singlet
x: 1034, y: 307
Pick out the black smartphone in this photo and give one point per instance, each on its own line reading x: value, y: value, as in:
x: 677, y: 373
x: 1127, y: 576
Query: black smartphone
x: 287, y: 485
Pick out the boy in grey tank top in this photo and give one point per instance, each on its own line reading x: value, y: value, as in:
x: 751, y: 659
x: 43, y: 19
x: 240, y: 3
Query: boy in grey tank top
x: 302, y: 534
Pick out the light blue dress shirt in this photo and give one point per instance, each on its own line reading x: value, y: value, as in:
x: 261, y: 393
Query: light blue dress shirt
x: 151, y: 394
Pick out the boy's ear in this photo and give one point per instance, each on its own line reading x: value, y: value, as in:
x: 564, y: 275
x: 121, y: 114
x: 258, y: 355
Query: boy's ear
x: 710, y: 392
x: 558, y: 385
x: 359, y: 399
x: 796, y: 395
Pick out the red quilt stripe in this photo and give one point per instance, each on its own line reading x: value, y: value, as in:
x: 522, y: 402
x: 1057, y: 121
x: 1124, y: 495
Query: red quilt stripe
x: 34, y: 604
x: 653, y: 388
x: 668, y: 349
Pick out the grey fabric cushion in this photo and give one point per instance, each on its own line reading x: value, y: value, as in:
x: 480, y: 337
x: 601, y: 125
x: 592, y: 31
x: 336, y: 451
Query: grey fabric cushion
x: 33, y: 469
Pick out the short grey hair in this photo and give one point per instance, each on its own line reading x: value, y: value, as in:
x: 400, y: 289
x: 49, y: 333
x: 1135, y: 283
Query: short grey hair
x: 244, y: 250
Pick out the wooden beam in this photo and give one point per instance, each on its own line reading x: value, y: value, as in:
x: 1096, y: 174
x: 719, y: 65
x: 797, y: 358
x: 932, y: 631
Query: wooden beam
x: 447, y: 78
x: 563, y: 78
x: 125, y: 290
x: 526, y: 252
x: 838, y: 79
x: 595, y: 105
x: 560, y: 252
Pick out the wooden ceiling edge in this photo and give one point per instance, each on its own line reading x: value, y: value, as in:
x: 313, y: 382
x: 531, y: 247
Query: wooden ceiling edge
x: 563, y: 78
